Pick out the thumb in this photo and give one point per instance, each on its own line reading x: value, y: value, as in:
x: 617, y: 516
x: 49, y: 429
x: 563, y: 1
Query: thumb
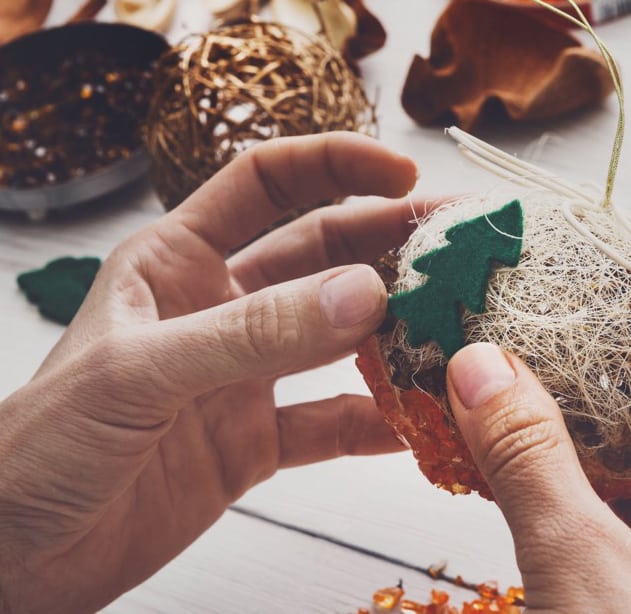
x: 566, y: 539
x: 518, y: 440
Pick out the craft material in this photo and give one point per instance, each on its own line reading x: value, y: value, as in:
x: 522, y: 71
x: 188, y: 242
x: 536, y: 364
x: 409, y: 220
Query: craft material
x: 18, y: 17
x: 596, y: 11
x: 391, y: 599
x: 232, y: 10
x: 58, y: 289
x: 458, y: 275
x: 150, y: 14
x: 220, y: 93
x: 489, y: 62
x: 89, y: 10
x: 564, y: 309
x: 72, y: 104
x: 334, y: 18
x: 369, y: 37
x: 490, y: 601
x: 347, y: 24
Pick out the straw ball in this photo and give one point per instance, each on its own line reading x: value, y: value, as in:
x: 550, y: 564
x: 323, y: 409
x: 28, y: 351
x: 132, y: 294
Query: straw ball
x: 565, y: 310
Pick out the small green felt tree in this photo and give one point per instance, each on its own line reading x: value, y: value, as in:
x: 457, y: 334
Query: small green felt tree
x: 59, y: 288
x: 458, y: 275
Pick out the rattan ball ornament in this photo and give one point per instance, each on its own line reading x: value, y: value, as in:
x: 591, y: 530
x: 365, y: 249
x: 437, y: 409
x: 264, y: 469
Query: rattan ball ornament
x: 219, y: 93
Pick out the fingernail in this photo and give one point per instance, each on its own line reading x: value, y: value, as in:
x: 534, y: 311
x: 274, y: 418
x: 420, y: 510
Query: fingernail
x: 478, y: 372
x: 351, y: 297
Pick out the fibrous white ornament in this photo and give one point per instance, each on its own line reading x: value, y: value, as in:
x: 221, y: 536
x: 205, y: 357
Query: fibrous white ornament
x: 565, y: 310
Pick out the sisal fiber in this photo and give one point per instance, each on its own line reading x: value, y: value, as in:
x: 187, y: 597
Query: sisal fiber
x: 565, y: 310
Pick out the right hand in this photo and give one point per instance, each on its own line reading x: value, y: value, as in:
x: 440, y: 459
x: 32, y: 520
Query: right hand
x: 573, y: 552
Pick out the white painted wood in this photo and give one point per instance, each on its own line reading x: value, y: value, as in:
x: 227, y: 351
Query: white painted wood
x: 244, y: 565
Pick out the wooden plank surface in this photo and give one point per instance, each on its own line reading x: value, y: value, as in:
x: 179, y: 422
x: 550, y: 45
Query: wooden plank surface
x: 381, y: 504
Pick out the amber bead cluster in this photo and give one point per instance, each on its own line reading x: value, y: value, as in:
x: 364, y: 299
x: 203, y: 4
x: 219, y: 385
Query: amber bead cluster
x: 64, y: 119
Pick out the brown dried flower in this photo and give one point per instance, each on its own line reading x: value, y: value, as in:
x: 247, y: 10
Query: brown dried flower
x: 18, y: 17
x: 487, y: 57
x: 348, y: 25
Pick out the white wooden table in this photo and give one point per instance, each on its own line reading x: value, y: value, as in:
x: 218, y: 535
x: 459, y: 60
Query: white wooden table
x: 383, y: 504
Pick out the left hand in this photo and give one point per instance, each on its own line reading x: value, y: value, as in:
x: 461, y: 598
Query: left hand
x: 156, y: 409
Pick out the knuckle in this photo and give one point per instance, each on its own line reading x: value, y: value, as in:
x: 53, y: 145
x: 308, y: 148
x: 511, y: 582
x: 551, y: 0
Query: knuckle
x: 339, y: 181
x: 350, y: 425
x: 271, y: 324
x: 516, y: 439
x: 276, y: 193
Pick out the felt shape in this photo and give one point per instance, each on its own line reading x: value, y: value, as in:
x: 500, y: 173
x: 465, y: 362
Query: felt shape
x: 458, y: 275
x: 490, y: 60
x: 60, y: 287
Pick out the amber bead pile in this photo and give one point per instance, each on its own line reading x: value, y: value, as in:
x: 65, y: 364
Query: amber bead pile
x: 489, y: 601
x: 61, y: 120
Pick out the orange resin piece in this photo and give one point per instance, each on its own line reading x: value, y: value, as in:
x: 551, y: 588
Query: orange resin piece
x: 442, y: 454
x: 416, y: 417
x: 388, y: 598
x: 491, y: 601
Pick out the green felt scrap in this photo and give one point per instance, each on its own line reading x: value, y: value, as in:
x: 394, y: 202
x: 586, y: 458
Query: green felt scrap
x: 60, y: 287
x: 458, y: 276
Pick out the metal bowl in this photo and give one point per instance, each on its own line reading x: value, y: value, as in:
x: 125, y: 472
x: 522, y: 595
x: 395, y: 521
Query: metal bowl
x: 57, y: 45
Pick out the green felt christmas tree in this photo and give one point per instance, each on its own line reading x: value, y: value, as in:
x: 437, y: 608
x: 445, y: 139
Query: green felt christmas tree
x: 59, y: 288
x: 458, y: 276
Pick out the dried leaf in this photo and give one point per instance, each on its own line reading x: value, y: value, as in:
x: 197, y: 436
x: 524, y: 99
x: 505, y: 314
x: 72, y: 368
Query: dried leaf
x: 486, y: 55
x: 19, y: 17
x: 349, y: 25
x: 370, y: 35
x: 230, y: 10
x: 336, y: 18
x: 149, y: 14
x: 88, y: 11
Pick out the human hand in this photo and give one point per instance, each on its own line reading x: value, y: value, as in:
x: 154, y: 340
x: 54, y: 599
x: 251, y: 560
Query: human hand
x: 156, y: 409
x: 573, y: 552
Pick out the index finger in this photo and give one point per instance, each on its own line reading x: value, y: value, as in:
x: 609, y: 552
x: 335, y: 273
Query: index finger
x: 263, y: 183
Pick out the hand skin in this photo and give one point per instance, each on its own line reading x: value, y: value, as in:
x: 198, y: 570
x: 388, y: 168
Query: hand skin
x: 573, y: 552
x: 156, y: 410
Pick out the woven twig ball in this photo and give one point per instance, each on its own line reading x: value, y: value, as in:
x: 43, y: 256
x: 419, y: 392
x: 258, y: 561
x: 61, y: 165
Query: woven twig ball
x: 219, y: 93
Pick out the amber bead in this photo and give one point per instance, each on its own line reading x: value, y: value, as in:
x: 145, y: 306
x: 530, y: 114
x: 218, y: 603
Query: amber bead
x: 388, y: 598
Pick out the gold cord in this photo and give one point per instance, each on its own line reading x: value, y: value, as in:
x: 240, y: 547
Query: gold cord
x: 582, y: 22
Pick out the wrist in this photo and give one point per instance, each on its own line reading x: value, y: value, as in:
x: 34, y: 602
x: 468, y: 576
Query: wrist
x: 584, y: 570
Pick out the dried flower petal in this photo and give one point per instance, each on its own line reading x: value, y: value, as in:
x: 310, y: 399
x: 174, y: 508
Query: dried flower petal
x: 336, y: 18
x: 370, y: 35
x: 487, y: 56
x: 149, y: 14
x: 88, y: 11
x: 231, y: 10
x: 350, y: 26
x: 21, y: 16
